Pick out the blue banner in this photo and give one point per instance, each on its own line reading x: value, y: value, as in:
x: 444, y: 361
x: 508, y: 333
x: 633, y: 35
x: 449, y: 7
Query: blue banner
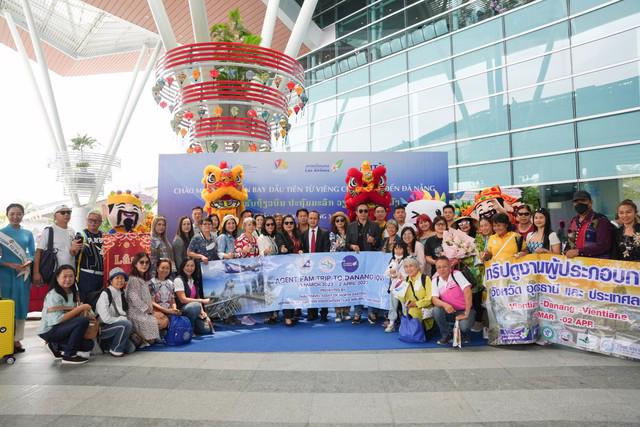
x: 285, y: 182
x: 271, y: 283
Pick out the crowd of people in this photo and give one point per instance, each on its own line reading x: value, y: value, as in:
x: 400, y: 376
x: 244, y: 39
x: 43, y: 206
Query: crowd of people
x: 135, y: 309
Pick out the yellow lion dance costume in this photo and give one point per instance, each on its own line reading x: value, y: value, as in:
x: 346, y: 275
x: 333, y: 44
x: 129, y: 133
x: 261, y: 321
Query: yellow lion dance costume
x: 224, y: 193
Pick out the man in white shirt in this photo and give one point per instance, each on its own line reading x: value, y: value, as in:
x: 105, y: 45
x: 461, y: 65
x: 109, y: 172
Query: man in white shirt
x: 400, y: 215
x: 452, y: 298
x: 64, y: 242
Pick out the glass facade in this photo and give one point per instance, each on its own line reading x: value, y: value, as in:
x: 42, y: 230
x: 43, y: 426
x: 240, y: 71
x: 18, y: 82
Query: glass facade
x: 522, y: 93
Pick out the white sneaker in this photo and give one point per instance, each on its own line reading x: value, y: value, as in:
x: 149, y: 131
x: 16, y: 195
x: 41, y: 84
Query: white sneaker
x: 485, y: 333
x: 338, y: 319
x: 143, y: 345
x: 247, y: 321
x: 116, y: 353
x: 389, y: 328
x: 347, y: 317
x: 84, y: 354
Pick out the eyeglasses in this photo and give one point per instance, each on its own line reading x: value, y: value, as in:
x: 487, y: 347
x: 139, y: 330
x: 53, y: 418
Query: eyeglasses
x: 95, y: 221
x: 339, y: 220
x: 288, y: 223
x: 64, y: 212
x: 363, y: 210
x: 464, y: 223
x: 524, y: 214
x: 444, y: 224
x: 269, y: 224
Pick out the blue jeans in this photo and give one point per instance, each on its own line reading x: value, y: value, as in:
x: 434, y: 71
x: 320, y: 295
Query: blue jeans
x: 192, y: 310
x: 68, y: 336
x: 393, y: 309
x: 116, y: 336
x: 445, y: 321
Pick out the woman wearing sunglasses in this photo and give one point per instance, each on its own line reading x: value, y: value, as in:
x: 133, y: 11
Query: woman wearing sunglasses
x: 338, y: 240
x: 267, y: 246
x: 139, y: 301
x: 289, y: 243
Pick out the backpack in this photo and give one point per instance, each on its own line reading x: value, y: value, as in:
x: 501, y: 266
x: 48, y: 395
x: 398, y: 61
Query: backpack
x: 48, y: 259
x: 179, y: 332
x: 93, y: 297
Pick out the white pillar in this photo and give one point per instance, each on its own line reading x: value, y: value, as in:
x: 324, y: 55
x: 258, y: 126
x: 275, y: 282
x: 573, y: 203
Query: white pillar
x: 44, y: 70
x: 123, y: 128
x: 269, y: 23
x: 34, y: 84
x: 199, y: 21
x: 300, y: 27
x: 163, y: 24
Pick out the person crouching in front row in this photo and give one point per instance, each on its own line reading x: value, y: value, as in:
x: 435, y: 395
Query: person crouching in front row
x: 64, y: 320
x: 111, y: 308
x: 452, y: 298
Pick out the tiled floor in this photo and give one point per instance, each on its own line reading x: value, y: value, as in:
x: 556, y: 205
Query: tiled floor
x: 528, y: 385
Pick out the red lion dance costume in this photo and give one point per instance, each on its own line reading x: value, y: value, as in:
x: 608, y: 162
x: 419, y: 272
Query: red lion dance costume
x: 367, y: 186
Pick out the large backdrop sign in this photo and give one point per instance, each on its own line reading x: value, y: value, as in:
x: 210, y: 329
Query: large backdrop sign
x: 285, y: 182
x: 587, y: 303
x: 272, y: 283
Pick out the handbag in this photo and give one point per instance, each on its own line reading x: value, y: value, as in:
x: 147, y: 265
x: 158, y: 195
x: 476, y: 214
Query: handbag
x: 93, y: 330
x: 411, y: 329
x: 48, y: 260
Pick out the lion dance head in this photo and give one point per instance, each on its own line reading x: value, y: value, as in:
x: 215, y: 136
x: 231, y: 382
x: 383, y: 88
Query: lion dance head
x: 124, y: 211
x: 367, y: 185
x: 223, y: 192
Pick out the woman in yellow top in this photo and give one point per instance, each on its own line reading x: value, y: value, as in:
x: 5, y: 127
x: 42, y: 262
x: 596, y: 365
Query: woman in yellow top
x: 503, y: 244
x: 418, y: 293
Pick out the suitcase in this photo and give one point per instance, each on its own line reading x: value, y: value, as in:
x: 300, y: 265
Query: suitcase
x: 7, y: 325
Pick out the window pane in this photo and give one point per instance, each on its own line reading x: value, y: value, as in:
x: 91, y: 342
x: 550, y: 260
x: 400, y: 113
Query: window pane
x: 537, y: 43
x: 354, y: 99
x: 545, y: 103
x: 432, y: 127
x: 352, y: 23
x: 352, y: 80
x: 356, y: 140
x: 323, y: 109
x: 297, y: 147
x: 609, y: 130
x: 478, y: 177
x: 429, y: 99
x: 617, y: 16
x: 352, y: 41
x: 388, y: 67
x: 543, y: 140
x: 385, y: 8
x: 348, y: 7
x: 322, y: 128
x: 534, y: 16
x: 548, y: 67
x: 485, y: 149
x: 389, y: 109
x: 478, y: 61
x: 608, y: 90
x: 323, y: 144
x: 477, y: 118
x: 387, y: 26
x: 322, y: 90
x: 481, y: 85
x: 388, y: 89
x: 353, y: 119
x: 544, y: 169
x: 477, y: 36
x: 430, y: 52
x: 582, y: 5
x: 391, y: 135
x: 610, y: 162
x: 450, y: 149
x: 585, y: 60
x: 430, y: 76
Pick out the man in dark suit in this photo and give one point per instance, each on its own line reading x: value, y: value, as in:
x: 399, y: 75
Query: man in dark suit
x: 363, y: 235
x: 315, y: 239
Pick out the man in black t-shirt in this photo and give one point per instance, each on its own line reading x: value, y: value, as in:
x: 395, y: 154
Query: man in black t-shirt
x: 89, y: 261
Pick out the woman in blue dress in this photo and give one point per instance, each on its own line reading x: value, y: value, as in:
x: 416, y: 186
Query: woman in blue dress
x: 17, y: 249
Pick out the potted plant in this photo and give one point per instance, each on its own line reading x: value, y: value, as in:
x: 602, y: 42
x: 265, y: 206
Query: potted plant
x: 80, y: 143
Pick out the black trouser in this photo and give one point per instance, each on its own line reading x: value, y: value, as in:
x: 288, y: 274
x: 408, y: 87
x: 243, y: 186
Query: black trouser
x: 313, y: 312
x: 68, y: 336
x: 476, y: 301
x: 87, y: 283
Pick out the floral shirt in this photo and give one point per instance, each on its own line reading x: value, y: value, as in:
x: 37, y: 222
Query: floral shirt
x: 244, y: 242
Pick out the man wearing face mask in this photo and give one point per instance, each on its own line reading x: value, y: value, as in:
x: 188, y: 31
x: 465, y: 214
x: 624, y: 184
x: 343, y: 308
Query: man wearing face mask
x: 589, y: 232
